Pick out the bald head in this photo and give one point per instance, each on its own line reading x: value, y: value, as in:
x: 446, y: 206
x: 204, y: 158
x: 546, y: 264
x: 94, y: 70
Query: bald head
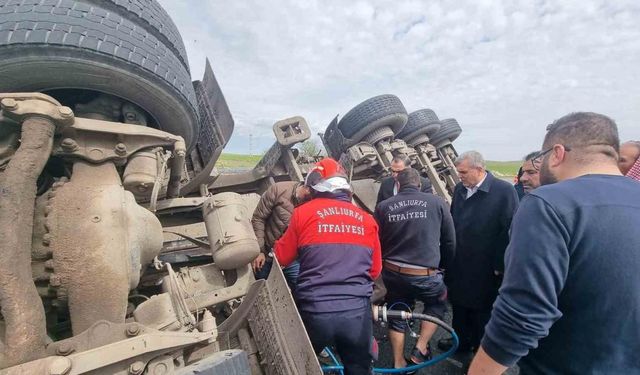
x: 629, y: 153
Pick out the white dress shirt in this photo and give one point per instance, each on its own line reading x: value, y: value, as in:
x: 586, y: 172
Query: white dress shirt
x: 472, y: 190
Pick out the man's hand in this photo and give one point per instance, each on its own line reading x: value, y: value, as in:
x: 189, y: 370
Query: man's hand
x: 482, y: 364
x: 258, y: 262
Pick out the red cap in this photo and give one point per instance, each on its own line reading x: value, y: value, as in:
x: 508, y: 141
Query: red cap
x: 328, y: 168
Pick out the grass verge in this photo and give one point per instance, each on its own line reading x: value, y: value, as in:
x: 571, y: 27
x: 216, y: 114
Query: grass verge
x: 227, y: 160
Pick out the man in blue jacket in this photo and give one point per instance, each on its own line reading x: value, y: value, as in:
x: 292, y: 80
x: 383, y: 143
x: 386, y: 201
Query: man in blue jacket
x: 570, y: 299
x: 482, y: 209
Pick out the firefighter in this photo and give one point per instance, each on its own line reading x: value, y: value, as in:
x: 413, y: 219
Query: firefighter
x: 337, y: 246
x: 418, y: 242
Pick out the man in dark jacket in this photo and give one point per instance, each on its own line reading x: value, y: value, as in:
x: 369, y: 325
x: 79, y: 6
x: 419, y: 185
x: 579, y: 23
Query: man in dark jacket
x: 518, y: 185
x: 270, y: 220
x: 389, y: 185
x: 482, y: 209
x: 570, y: 299
x: 418, y: 240
x: 530, y: 177
x: 338, y: 248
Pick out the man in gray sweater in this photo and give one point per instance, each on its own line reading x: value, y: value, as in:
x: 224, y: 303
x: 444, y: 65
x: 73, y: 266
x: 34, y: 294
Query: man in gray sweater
x: 570, y: 298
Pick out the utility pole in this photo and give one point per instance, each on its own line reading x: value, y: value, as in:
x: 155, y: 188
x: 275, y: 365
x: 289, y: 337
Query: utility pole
x: 250, y: 144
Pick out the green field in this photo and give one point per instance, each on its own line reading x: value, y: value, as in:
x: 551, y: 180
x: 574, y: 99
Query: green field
x: 237, y: 161
x: 504, y: 168
x: 226, y: 160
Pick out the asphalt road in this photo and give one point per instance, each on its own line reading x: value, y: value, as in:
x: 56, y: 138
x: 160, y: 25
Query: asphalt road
x: 454, y: 365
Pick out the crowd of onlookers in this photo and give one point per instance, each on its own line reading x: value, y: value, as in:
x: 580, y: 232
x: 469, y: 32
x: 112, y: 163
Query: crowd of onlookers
x: 543, y: 273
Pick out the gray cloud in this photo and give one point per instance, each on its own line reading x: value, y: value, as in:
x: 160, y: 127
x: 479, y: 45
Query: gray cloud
x: 503, y: 69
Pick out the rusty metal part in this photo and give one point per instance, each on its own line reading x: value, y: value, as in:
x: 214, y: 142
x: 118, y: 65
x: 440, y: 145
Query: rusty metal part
x: 93, y: 211
x: 22, y: 310
x: 109, y: 348
x: 20, y: 106
x: 363, y: 160
x: 425, y: 158
x: 157, y: 312
x: 49, y: 365
x: 99, y: 334
x: 448, y: 154
x: 199, y: 299
x: 162, y: 365
x: 98, y: 141
x: 175, y: 175
x: 9, y: 139
x: 228, y: 223
x: 200, y: 280
x: 399, y: 146
x: 175, y: 245
x: 122, y: 354
x: 141, y: 173
x: 94, y: 140
x: 385, y: 151
x: 203, y: 286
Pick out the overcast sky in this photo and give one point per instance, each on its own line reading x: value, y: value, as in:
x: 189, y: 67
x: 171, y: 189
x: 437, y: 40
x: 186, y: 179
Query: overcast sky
x: 503, y: 69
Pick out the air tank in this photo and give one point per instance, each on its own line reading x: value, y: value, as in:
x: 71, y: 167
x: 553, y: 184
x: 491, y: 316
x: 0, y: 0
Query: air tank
x: 228, y: 223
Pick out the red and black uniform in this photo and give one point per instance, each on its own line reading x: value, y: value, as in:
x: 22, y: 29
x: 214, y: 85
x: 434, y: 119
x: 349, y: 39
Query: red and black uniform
x: 338, y: 248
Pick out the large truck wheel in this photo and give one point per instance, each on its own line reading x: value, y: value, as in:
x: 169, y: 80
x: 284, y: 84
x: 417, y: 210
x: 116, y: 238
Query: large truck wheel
x: 125, y: 48
x: 421, y: 122
x: 373, y: 114
x: 448, y: 133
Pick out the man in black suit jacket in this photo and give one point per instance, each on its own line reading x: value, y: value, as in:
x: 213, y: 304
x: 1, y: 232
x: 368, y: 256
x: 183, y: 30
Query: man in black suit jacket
x: 389, y: 185
x: 482, y: 209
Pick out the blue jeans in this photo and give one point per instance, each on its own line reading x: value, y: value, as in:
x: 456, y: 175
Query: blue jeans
x: 290, y: 272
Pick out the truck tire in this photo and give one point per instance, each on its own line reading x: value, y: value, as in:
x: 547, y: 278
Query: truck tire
x: 422, y: 121
x: 372, y: 114
x: 127, y: 48
x: 448, y: 133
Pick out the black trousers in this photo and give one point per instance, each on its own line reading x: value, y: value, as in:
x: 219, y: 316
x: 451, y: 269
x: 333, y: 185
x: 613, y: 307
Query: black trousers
x: 469, y: 325
x: 350, y: 331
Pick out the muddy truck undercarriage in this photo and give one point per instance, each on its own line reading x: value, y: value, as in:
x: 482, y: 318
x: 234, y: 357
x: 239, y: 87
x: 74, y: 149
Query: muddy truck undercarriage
x: 122, y: 249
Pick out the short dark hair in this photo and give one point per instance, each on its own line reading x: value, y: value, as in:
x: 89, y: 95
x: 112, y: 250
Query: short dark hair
x: 403, y: 158
x: 531, y: 155
x: 408, y: 177
x: 586, y: 133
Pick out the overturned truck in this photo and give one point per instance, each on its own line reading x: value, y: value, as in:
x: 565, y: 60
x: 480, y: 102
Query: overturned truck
x: 122, y: 249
